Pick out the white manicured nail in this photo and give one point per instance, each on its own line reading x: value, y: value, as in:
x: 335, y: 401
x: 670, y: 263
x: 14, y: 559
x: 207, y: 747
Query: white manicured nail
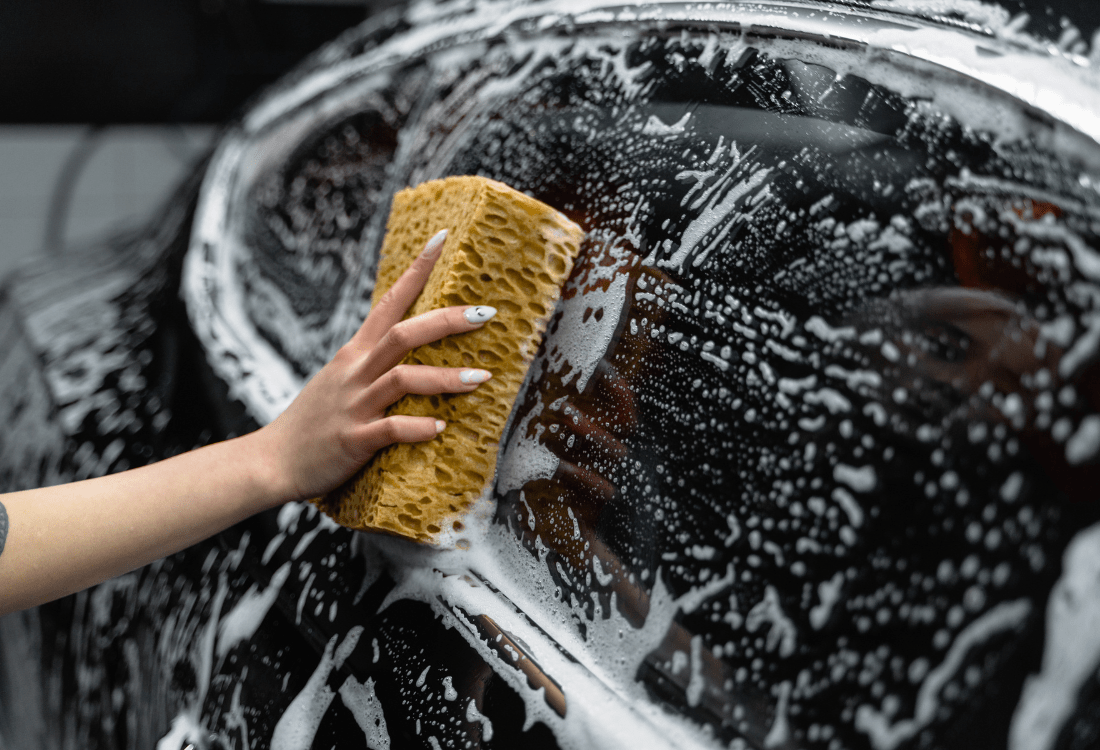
x: 435, y: 244
x: 480, y: 314
x: 474, y: 376
x: 440, y: 425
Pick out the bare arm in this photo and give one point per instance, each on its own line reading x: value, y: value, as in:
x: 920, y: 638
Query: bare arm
x: 62, y: 539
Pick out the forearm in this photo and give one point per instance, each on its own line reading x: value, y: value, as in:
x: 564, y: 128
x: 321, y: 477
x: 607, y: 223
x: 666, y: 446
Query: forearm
x: 66, y: 538
x: 63, y: 539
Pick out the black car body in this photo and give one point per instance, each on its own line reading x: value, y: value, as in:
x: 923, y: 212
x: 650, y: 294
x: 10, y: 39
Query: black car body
x: 808, y: 457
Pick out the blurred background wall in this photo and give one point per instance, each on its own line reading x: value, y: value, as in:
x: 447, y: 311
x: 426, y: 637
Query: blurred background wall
x: 105, y: 105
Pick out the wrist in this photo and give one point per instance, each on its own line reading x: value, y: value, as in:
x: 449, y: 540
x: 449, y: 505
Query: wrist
x: 271, y: 482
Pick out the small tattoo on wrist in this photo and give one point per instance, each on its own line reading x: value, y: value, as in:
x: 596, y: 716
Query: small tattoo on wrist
x: 3, y: 527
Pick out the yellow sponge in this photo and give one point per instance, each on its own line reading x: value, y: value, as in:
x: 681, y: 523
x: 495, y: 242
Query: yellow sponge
x: 503, y: 249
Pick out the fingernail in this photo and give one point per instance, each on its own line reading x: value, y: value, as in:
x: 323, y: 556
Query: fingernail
x: 440, y: 425
x: 474, y: 376
x: 435, y: 244
x: 480, y: 314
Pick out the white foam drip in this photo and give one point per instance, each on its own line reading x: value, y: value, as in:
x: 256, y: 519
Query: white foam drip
x: 696, y: 682
x: 654, y: 126
x: 860, y: 479
x: 449, y: 692
x: 298, y: 725
x: 524, y: 458
x: 1071, y: 653
x: 828, y: 593
x: 886, y: 734
x: 721, y: 207
x: 184, y: 732
x: 473, y: 715
x: 243, y: 620
x: 782, y: 632
x: 361, y: 700
x: 1084, y: 444
x: 780, y: 733
x: 582, y: 337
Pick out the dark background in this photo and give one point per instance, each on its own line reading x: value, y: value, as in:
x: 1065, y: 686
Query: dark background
x: 198, y: 61
x: 153, y: 61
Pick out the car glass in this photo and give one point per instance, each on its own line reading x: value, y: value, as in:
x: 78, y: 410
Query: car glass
x: 308, y: 214
x: 823, y: 382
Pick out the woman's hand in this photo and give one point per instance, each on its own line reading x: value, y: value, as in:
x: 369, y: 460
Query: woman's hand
x: 67, y: 537
x: 339, y: 419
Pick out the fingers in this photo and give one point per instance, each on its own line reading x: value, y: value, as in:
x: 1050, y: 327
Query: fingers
x: 377, y: 435
x: 397, y: 300
x: 405, y: 336
x: 422, y: 380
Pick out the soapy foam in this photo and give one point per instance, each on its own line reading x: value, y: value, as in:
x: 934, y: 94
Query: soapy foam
x: 361, y: 700
x: 245, y: 617
x: 1071, y: 652
x: 298, y: 725
x: 885, y: 734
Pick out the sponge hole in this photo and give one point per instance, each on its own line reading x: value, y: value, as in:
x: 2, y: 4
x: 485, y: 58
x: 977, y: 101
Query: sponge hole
x: 525, y: 286
x: 409, y: 522
x: 474, y: 258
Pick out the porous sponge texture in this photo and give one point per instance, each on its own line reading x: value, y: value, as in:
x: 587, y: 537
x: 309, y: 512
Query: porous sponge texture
x: 503, y: 249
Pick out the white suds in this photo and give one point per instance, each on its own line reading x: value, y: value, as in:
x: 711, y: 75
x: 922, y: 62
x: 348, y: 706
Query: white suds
x: 1071, y: 652
x: 298, y: 725
x: 243, y: 620
x: 361, y: 700
x: 887, y: 735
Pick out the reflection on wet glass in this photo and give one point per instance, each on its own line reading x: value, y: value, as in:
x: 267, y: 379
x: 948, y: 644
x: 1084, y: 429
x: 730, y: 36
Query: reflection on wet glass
x: 828, y: 359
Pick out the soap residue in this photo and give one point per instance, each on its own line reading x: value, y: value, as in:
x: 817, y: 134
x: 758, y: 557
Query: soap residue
x: 245, y: 617
x: 361, y: 700
x: 887, y: 734
x: 1072, y: 650
x: 298, y: 725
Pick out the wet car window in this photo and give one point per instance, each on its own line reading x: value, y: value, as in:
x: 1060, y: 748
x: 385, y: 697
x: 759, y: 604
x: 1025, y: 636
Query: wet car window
x: 824, y: 375
x: 310, y: 212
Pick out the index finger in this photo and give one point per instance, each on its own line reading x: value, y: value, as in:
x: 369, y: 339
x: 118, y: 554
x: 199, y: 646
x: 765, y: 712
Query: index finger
x: 397, y: 300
